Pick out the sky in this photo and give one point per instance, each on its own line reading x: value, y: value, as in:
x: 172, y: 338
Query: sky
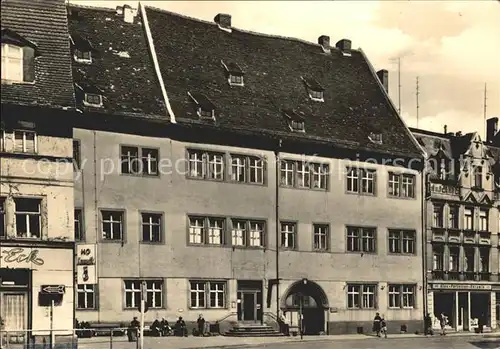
x: 453, y: 47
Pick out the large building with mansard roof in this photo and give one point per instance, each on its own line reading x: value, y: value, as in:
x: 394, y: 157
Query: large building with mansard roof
x: 234, y: 171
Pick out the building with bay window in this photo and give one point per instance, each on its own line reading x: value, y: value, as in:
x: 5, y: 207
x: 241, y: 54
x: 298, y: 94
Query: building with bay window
x: 462, y: 263
x: 36, y: 174
x: 234, y: 181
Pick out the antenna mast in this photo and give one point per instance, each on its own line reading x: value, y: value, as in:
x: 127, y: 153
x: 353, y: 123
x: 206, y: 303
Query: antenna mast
x: 418, y: 106
x: 399, y: 85
x: 484, y: 111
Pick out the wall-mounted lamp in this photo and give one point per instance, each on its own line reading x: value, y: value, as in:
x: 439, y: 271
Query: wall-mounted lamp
x: 382, y: 287
x: 304, y: 281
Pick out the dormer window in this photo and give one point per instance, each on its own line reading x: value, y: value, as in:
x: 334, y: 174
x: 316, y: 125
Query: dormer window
x: 18, y: 58
x: 314, y: 89
x: 82, y: 56
x: 375, y: 137
x: 92, y: 99
x: 234, y: 73
x: 82, y: 49
x: 295, y: 121
x: 89, y: 95
x: 205, y: 108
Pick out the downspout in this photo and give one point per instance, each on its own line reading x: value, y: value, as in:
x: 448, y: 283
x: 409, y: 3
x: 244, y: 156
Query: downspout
x: 424, y: 241
x: 96, y: 216
x: 277, y: 219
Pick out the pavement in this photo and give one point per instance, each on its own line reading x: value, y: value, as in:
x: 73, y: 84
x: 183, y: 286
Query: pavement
x: 355, y: 341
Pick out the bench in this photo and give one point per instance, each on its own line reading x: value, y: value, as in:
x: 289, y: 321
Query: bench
x: 106, y: 329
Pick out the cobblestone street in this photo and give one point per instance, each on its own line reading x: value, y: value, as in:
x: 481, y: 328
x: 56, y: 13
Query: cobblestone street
x: 326, y: 342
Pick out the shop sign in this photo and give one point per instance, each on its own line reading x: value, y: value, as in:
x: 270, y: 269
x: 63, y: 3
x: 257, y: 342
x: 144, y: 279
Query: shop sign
x: 86, y: 264
x: 460, y: 287
x: 20, y: 257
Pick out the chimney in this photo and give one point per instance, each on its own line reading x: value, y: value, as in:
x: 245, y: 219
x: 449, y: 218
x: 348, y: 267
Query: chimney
x: 119, y: 10
x: 324, y: 41
x: 491, y: 129
x: 445, y: 129
x: 344, y: 45
x: 458, y: 134
x: 383, y: 76
x: 223, y: 20
x: 128, y: 14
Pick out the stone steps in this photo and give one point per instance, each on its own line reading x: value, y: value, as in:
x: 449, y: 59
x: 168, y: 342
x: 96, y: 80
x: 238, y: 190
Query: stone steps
x: 243, y: 330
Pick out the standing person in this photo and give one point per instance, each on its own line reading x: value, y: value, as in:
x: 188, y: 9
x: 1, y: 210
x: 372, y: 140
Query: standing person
x: 376, y: 324
x: 284, y: 324
x: 133, y: 330
x: 480, y: 322
x: 180, y: 328
x: 383, y: 326
x: 428, y: 325
x: 201, y: 325
x: 443, y: 320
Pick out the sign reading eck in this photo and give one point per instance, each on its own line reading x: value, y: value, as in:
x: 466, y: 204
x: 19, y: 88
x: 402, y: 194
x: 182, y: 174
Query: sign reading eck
x: 20, y: 256
x: 460, y: 287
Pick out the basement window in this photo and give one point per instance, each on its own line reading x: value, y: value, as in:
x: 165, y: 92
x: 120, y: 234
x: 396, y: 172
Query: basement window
x: 295, y: 121
x: 234, y: 73
x: 205, y: 108
x: 314, y: 89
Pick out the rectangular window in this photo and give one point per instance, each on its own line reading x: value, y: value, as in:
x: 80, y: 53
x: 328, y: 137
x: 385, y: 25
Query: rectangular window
x: 437, y: 258
x: 454, y: 259
x: 469, y: 259
x: 205, y: 165
x: 361, y: 296
x: 247, y: 233
x: 112, y: 225
x: 76, y: 155
x: 402, y: 241
x: 82, y: 56
x: 28, y: 218
x: 316, y: 95
x: 25, y: 141
x: 288, y: 235
x: 151, y: 227
x: 483, y: 220
x: 361, y: 181
x: 12, y: 63
x: 300, y: 174
x: 321, y: 236
x: 401, y: 185
x: 478, y: 176
x: 437, y: 216
x: 86, y: 297
x: 3, y: 232
x: 236, y: 80
x: 402, y: 296
x: 484, y: 260
x: 209, y: 231
x: 93, y: 99
x: 361, y: 239
x: 139, y: 161
x: 247, y: 169
x: 79, y: 232
x: 154, y: 293
x: 468, y: 218
x: 207, y: 294
x: 453, y: 217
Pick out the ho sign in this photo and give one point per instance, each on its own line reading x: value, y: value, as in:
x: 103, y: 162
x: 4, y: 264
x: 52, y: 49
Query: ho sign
x: 86, y: 254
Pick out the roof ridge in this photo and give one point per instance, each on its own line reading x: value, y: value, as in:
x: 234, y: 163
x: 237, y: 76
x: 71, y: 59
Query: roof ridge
x: 246, y: 31
x: 88, y: 7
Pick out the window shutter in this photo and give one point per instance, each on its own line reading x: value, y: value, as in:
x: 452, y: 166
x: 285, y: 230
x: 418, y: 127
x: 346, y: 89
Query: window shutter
x: 28, y: 64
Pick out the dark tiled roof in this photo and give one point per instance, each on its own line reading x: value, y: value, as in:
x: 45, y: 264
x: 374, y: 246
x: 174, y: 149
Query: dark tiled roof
x: 450, y: 144
x: 44, y: 23
x: 121, y: 64
x: 190, y: 54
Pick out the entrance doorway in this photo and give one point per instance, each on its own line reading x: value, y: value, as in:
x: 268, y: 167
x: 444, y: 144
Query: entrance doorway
x: 308, y: 298
x: 481, y: 309
x: 444, y: 302
x: 249, y: 306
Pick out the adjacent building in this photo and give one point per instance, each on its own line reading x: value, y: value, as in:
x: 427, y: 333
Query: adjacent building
x: 462, y: 264
x: 234, y: 171
x: 36, y: 173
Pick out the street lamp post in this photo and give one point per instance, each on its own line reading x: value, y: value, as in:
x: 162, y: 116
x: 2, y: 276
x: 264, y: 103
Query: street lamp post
x: 301, y: 307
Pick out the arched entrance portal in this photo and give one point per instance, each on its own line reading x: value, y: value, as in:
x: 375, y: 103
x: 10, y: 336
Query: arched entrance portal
x: 314, y: 305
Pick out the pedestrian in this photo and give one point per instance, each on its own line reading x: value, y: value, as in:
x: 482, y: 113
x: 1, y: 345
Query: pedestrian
x: 480, y: 322
x: 133, y: 330
x: 201, y: 325
x: 180, y: 328
x: 383, y: 326
x: 428, y: 325
x: 443, y: 321
x: 376, y: 324
x: 284, y: 324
